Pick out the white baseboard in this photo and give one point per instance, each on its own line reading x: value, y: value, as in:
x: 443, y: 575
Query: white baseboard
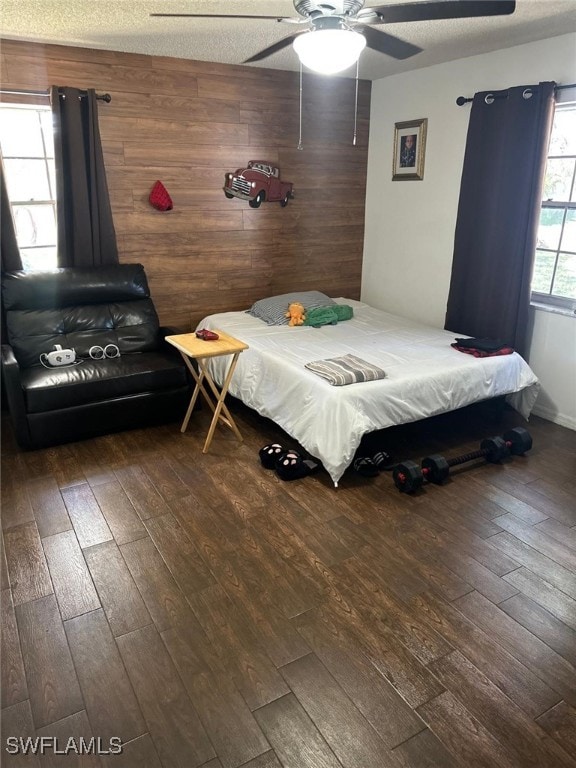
x: 557, y: 418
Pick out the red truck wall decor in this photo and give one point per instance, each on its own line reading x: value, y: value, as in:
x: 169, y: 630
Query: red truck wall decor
x: 257, y: 183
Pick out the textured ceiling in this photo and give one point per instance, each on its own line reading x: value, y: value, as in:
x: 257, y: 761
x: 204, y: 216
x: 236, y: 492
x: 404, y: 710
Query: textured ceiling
x: 125, y: 25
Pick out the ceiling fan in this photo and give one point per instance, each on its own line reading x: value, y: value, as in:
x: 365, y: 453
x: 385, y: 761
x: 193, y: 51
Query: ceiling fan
x: 344, y: 27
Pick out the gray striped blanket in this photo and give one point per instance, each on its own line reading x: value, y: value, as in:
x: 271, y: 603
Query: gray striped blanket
x: 347, y: 369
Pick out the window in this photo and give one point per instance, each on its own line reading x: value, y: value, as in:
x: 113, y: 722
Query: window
x: 27, y: 146
x: 554, y: 279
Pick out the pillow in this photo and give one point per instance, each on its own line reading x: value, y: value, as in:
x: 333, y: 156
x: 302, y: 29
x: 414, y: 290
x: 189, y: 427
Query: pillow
x: 273, y: 309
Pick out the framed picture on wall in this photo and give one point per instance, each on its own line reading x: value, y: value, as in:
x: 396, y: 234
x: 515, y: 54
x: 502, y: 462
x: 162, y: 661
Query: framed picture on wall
x: 409, y: 150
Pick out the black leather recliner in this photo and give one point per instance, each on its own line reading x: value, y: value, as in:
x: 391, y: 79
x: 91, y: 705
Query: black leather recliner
x: 78, y: 309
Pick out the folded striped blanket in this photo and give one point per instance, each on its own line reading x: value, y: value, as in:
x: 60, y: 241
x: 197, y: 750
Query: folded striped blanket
x: 347, y: 369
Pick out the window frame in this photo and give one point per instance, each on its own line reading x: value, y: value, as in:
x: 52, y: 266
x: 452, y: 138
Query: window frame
x: 48, y: 158
x: 551, y: 301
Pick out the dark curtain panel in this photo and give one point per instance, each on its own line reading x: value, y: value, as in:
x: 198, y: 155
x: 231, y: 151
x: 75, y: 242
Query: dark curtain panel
x: 498, y: 214
x: 86, y: 236
x: 9, y: 252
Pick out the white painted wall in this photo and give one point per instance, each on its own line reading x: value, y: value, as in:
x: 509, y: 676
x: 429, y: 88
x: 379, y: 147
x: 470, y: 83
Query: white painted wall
x: 409, y: 235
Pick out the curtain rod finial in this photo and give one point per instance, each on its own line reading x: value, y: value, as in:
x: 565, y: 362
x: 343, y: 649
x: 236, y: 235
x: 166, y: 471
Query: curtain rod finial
x: 461, y: 100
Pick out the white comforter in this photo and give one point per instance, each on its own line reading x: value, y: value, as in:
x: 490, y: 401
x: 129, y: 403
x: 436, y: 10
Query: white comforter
x: 425, y: 376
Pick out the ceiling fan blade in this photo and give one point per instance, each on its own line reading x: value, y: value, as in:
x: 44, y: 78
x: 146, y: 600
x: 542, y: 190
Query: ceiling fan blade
x: 280, y: 45
x: 440, y: 9
x: 391, y: 46
x: 216, y: 16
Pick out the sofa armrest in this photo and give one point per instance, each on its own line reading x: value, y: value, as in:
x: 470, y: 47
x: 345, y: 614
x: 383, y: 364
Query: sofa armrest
x: 169, y: 330
x: 15, y: 396
x: 166, y: 330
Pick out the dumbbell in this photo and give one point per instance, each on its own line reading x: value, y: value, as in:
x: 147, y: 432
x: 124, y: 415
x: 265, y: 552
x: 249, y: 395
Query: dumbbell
x: 408, y: 476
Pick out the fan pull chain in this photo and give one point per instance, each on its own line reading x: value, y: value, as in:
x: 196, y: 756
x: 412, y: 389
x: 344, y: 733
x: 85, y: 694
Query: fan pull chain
x: 300, y: 137
x: 356, y: 105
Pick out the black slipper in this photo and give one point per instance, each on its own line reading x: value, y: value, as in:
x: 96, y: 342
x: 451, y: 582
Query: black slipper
x: 383, y: 460
x: 291, y: 466
x: 270, y: 454
x: 365, y: 466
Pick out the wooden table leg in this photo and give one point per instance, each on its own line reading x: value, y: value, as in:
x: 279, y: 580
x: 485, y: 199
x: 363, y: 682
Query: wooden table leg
x: 227, y: 418
x: 197, y: 389
x: 219, y: 409
x: 220, y: 402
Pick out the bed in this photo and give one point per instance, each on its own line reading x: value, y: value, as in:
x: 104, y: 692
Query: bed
x: 425, y: 376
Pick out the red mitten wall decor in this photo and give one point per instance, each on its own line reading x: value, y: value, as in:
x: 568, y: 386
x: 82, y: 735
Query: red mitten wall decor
x: 160, y: 198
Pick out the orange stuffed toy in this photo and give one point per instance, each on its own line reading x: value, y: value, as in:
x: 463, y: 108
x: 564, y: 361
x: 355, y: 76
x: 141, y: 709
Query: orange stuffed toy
x: 296, y: 313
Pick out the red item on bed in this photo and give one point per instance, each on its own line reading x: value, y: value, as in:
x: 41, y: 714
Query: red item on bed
x: 482, y: 352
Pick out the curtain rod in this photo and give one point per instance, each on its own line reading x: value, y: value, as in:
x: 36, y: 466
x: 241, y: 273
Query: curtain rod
x: 461, y: 100
x: 100, y: 96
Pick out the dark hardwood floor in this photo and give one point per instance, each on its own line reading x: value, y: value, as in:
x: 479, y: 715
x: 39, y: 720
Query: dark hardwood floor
x: 209, y: 614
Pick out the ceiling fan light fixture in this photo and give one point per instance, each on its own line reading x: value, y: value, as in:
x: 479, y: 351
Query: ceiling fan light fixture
x: 328, y: 51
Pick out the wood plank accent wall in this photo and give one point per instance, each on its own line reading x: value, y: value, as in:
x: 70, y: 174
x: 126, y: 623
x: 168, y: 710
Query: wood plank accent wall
x: 187, y: 123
